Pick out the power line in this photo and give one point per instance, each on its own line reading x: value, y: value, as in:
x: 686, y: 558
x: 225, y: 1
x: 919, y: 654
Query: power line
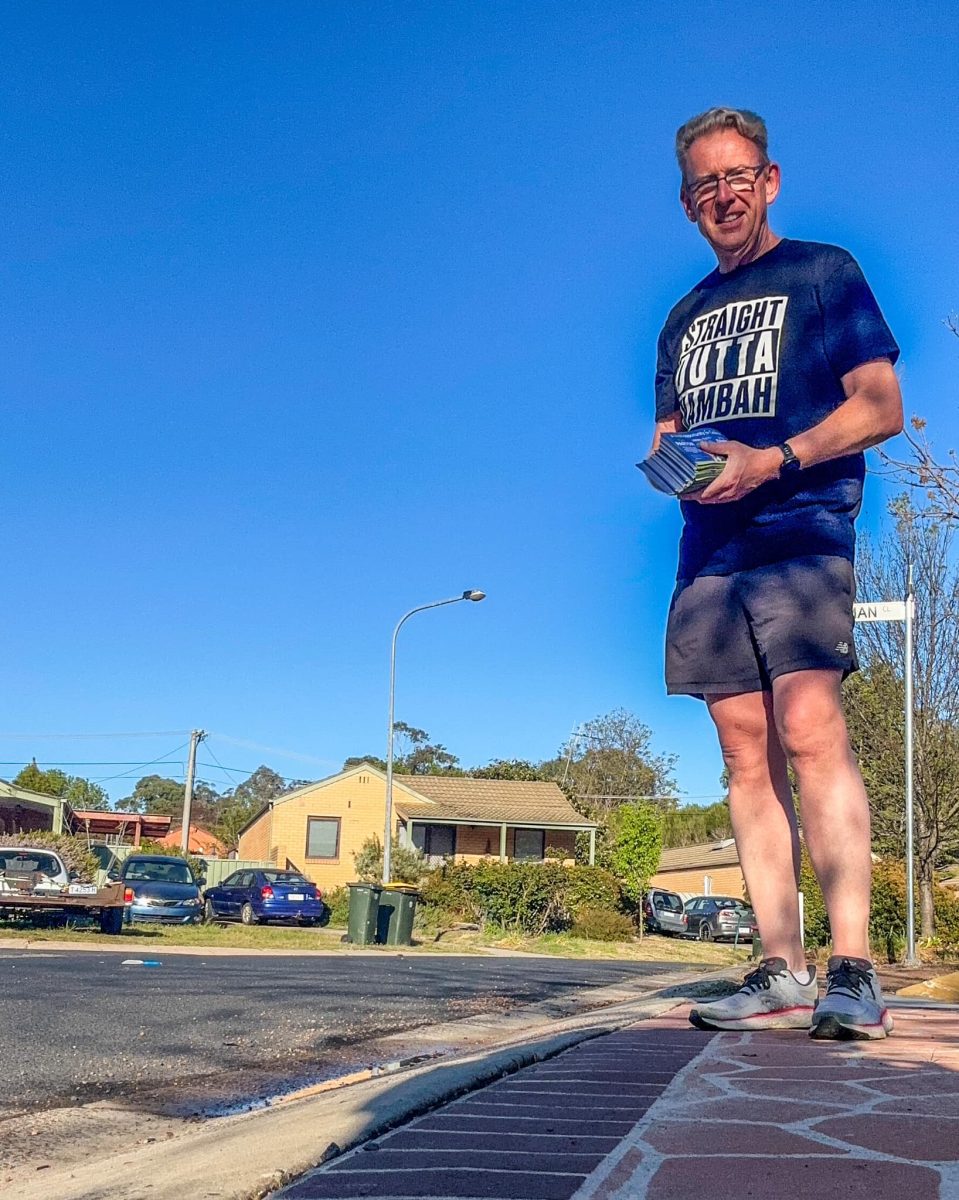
x: 90, y: 762
x: 148, y: 733
x: 140, y: 766
x: 228, y: 770
x: 233, y: 772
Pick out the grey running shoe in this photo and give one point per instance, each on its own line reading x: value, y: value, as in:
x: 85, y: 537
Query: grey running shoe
x: 771, y: 998
x: 853, y: 1006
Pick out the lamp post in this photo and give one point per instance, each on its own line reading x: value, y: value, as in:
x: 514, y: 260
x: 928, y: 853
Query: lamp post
x: 469, y: 594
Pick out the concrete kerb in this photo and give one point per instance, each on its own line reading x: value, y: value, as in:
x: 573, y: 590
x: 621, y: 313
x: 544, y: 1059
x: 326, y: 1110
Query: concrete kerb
x: 248, y: 1156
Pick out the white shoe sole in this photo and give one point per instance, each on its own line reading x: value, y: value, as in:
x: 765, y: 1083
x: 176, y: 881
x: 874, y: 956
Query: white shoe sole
x: 836, y: 1027
x: 797, y: 1017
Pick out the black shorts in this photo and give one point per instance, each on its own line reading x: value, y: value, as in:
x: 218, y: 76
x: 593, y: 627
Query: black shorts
x: 737, y: 633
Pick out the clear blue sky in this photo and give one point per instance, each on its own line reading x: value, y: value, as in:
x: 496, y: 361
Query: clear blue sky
x: 314, y: 312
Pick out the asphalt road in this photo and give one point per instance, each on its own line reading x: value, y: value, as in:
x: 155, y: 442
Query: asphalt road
x: 195, y: 1033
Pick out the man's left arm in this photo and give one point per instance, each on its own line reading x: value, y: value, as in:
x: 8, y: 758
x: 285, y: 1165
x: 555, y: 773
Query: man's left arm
x: 871, y: 412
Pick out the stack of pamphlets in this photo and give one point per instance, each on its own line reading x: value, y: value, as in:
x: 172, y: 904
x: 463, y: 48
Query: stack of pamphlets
x: 679, y: 467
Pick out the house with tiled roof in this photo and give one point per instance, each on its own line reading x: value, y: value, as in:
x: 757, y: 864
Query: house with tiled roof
x: 711, y: 868
x: 318, y: 828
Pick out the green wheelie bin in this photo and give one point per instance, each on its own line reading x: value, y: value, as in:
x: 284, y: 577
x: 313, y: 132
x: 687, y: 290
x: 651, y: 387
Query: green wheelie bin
x: 364, y: 909
x: 394, y: 925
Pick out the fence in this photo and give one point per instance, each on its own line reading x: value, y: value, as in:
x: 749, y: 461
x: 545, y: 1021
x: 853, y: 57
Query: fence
x: 216, y: 869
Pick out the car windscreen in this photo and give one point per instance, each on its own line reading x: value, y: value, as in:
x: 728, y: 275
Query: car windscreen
x: 285, y: 877
x: 731, y: 904
x: 154, y: 872
x: 668, y: 901
x: 22, y: 864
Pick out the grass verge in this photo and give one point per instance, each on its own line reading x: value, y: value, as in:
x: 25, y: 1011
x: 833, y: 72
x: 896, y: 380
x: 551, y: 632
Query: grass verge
x: 279, y: 937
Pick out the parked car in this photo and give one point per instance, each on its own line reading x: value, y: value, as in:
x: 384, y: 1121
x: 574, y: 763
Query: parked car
x: 25, y: 869
x: 159, y: 888
x: 259, y: 896
x: 711, y: 918
x: 663, y: 913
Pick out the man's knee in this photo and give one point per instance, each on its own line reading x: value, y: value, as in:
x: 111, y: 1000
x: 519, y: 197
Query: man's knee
x: 744, y: 741
x: 810, y: 721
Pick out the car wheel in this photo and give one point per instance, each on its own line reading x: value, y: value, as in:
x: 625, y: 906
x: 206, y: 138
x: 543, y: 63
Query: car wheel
x: 705, y: 933
x: 247, y: 915
x: 111, y: 920
x: 209, y: 913
x: 324, y: 918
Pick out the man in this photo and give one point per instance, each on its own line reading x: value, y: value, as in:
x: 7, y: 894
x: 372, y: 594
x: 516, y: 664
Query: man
x: 784, y: 350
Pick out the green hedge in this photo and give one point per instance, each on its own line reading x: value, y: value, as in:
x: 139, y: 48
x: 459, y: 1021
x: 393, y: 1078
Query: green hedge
x: 528, y: 898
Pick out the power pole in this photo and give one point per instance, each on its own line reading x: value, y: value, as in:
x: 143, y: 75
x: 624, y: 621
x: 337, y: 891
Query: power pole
x: 196, y: 737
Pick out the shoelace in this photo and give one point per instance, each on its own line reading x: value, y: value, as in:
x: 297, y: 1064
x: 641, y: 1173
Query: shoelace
x: 758, y: 980
x: 850, y: 978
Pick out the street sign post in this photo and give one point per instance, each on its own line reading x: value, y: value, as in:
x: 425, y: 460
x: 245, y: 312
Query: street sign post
x: 902, y: 610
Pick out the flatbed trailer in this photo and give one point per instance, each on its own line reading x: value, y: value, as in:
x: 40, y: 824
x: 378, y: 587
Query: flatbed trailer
x: 105, y: 902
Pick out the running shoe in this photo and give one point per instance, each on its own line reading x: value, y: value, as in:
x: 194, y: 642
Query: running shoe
x: 853, y: 1007
x: 771, y: 998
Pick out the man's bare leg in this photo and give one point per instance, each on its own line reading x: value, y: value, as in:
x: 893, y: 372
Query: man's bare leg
x: 832, y: 799
x: 763, y: 818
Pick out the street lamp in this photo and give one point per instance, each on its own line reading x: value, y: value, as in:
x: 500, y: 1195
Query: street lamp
x: 469, y: 594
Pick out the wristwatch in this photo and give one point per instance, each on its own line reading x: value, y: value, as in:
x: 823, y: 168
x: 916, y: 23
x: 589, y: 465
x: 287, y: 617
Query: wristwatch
x: 790, y: 461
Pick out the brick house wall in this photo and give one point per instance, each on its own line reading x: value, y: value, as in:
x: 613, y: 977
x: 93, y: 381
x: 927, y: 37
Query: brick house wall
x: 726, y: 881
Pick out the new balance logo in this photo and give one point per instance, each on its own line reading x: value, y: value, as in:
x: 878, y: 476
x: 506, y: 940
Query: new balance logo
x: 842, y: 647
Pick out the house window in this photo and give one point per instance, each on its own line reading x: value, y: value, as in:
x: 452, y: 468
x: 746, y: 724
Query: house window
x: 529, y: 844
x: 322, y: 837
x: 435, y: 841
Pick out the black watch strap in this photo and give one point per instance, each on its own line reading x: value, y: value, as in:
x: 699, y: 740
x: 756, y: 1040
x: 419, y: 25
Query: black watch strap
x: 790, y: 461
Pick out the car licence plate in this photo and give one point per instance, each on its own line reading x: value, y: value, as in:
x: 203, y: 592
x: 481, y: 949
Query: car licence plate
x: 295, y: 896
x: 82, y: 889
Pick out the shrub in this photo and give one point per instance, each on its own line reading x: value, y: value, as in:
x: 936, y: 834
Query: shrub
x: 74, y: 851
x: 591, y: 887
x: 337, y: 901
x: 530, y: 898
x: 407, y: 865
x: 887, y: 916
x: 602, y: 925
x: 814, y: 906
x: 446, y: 893
x: 887, y: 920
x: 947, y: 922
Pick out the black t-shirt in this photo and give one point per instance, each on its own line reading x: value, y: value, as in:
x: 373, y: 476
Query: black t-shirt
x: 759, y: 354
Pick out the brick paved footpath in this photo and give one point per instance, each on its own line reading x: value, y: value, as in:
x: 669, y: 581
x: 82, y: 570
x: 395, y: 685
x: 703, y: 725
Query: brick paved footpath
x: 662, y: 1111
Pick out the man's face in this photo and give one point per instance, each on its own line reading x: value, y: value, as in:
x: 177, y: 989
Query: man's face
x: 732, y: 222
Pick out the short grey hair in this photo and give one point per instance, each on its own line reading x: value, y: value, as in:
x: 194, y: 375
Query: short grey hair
x: 747, y: 124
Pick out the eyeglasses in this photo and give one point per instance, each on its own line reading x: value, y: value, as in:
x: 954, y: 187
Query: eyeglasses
x: 740, y: 179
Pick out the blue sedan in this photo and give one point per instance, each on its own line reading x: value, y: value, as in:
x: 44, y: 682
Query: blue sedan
x: 159, y: 888
x: 255, y: 897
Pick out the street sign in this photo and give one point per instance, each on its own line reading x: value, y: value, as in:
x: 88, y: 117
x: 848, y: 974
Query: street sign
x: 902, y: 610
x: 880, y: 610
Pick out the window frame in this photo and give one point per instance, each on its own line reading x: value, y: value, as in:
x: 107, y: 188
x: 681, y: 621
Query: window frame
x: 542, y: 849
x: 326, y: 858
x: 427, y: 828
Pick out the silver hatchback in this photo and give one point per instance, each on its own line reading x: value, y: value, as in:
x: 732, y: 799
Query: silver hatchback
x: 663, y: 913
